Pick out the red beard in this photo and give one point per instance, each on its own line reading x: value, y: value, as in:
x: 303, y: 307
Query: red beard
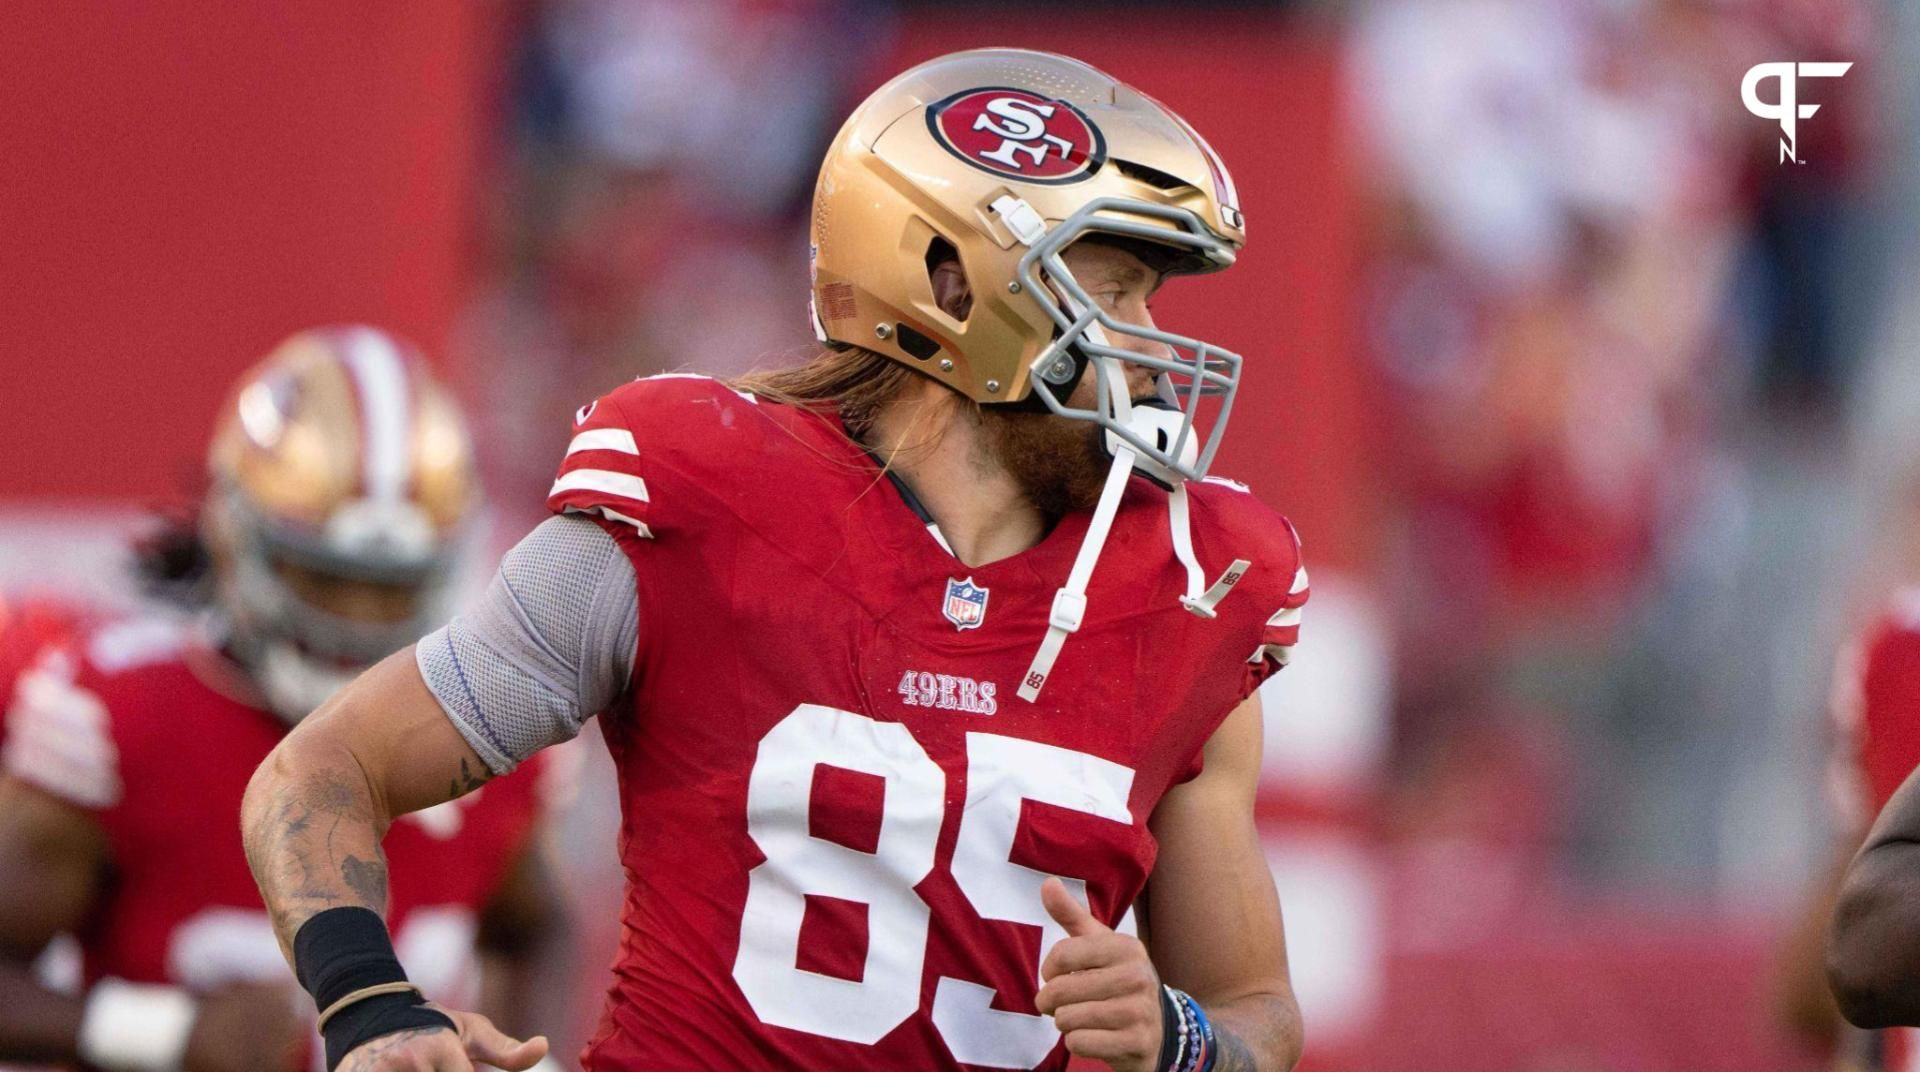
x: 1060, y: 464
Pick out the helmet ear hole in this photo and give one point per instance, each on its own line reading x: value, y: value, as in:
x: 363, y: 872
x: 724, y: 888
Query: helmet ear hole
x: 917, y: 345
x: 948, y: 279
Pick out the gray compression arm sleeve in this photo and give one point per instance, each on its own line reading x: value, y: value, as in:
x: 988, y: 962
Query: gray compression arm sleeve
x: 549, y: 644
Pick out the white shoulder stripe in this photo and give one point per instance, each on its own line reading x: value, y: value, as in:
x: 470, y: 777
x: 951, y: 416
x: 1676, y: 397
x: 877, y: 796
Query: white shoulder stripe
x: 618, y: 439
x: 1286, y: 617
x: 601, y: 480
x: 380, y: 377
x: 1299, y: 580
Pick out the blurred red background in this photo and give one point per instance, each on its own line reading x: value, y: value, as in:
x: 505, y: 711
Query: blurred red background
x: 187, y: 189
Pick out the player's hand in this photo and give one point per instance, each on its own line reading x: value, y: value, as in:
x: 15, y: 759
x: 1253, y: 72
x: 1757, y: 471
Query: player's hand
x: 473, y: 1042
x: 245, y: 1027
x: 1099, y: 987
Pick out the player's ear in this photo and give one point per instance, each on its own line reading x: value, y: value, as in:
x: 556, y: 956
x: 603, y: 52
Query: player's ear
x: 950, y: 288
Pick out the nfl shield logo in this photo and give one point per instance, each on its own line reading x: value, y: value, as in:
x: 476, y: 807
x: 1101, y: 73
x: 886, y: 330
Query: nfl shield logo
x: 966, y: 606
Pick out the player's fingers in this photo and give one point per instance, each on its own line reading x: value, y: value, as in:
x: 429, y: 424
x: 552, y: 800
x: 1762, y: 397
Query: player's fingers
x: 1097, y: 984
x: 1118, y: 1014
x: 1099, y: 1044
x: 488, y: 1045
x: 1071, y: 914
x: 1085, y: 953
x: 444, y: 1059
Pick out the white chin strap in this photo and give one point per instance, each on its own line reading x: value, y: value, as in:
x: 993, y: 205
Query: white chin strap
x: 1070, y: 602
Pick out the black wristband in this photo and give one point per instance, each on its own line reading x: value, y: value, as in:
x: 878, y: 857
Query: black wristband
x: 364, y: 1021
x: 344, y: 949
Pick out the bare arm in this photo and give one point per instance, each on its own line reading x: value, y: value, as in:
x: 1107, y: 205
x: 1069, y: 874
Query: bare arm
x: 316, y: 811
x: 1212, y: 911
x: 517, y: 672
x: 1210, y: 928
x: 52, y: 858
x: 319, y: 805
x: 1873, y: 947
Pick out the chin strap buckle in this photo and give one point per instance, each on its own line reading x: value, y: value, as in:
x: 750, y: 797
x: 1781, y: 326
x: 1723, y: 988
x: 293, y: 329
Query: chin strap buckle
x: 1203, y: 604
x: 1069, y: 608
x: 1021, y: 219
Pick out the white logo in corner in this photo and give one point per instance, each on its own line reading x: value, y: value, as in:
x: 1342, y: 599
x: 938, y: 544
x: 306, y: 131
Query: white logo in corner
x: 1787, y: 110
x: 966, y: 604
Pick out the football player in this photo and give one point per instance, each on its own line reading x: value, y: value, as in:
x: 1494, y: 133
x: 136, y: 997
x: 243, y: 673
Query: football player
x: 1873, y: 954
x: 922, y: 664
x: 341, y: 488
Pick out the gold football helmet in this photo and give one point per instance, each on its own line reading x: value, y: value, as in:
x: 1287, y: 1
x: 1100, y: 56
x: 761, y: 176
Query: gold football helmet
x: 1001, y: 158
x: 342, y: 480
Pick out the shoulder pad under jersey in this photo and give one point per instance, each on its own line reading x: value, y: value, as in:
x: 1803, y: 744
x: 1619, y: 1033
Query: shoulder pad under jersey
x: 652, y: 434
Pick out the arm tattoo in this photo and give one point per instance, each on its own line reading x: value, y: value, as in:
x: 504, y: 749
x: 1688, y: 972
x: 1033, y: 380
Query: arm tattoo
x: 372, y: 1055
x: 317, y: 846
x: 1265, y: 1021
x: 367, y: 879
x: 313, y: 839
x: 1234, y: 1055
x: 468, y: 781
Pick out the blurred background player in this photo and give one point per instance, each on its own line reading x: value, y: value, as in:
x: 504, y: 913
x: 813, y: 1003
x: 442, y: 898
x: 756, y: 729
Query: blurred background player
x: 1876, y: 732
x: 1872, y: 955
x: 341, y: 497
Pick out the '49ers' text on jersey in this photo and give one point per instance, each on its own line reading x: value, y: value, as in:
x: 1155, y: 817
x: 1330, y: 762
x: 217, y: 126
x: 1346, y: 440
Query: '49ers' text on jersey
x: 837, y: 812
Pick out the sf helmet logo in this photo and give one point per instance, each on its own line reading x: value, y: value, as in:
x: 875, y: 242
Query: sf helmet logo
x: 1787, y: 110
x: 1017, y: 134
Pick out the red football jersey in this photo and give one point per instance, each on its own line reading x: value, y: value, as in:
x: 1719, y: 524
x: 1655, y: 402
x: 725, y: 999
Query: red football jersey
x: 837, y: 812
x: 156, y: 735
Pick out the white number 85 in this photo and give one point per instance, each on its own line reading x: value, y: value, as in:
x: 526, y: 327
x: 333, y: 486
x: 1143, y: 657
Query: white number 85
x: 1001, y: 771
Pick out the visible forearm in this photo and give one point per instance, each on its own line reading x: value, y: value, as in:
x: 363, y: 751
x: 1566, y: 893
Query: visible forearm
x: 1873, y: 953
x: 312, y: 825
x: 1256, y: 1032
x: 38, y: 1024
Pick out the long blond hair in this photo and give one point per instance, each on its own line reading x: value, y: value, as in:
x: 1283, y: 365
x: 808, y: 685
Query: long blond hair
x: 855, y: 381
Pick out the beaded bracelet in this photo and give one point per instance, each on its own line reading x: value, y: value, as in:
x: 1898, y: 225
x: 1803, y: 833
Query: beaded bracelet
x: 1192, y: 1044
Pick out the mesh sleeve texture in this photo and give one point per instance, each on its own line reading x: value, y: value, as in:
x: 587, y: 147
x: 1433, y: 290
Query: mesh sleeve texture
x: 550, y: 643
